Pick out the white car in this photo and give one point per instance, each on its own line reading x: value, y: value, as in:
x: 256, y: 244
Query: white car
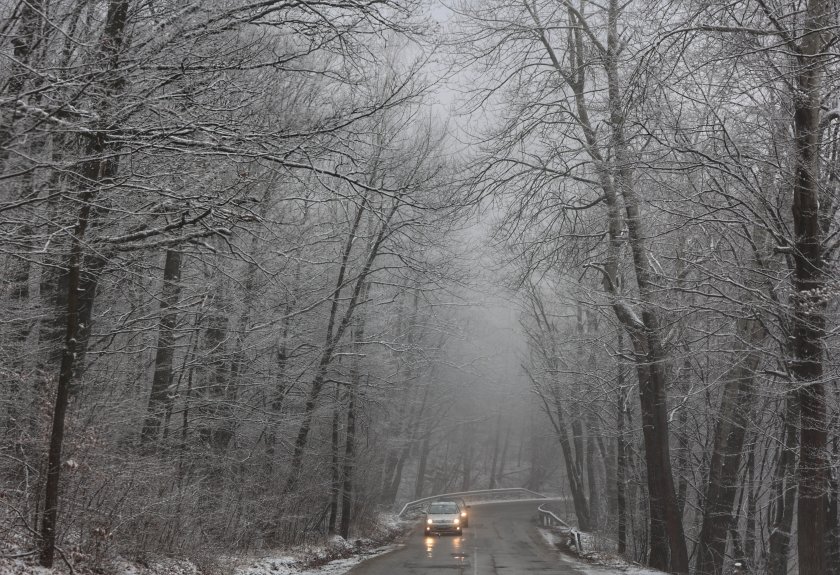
x: 443, y: 517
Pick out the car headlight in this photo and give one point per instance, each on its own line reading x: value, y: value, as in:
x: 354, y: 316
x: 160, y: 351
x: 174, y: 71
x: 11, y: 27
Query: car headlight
x: 457, y: 521
x: 463, y: 513
x: 429, y: 520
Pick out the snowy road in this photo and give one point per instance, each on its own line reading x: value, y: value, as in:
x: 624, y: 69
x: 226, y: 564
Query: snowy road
x: 502, y: 539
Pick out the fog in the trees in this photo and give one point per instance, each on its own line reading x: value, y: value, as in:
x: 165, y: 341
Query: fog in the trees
x: 273, y: 269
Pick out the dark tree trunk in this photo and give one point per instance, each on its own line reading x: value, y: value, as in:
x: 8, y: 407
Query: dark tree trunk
x: 421, y: 466
x: 349, y: 466
x: 500, y: 472
x: 834, y: 511
x: 349, y: 462
x: 94, y: 171
x: 335, y: 470
x: 668, y: 548
x: 278, y: 394
x: 392, y: 487
x: 572, y: 447
x: 592, y: 482
x: 216, y: 425
x: 50, y: 517
x: 752, y: 503
x: 809, y: 298
x: 335, y: 333
x: 621, y: 452
x: 495, y: 461
x: 467, y: 458
x: 571, y: 457
x: 160, y: 398
x: 621, y: 468
x: 730, y: 431
x: 784, y: 492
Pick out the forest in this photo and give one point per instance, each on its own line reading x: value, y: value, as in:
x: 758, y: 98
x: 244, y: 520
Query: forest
x: 271, y: 268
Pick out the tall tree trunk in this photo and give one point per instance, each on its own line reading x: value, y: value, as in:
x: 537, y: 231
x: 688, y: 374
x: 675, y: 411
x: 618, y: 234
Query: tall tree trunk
x: 335, y: 333
x: 730, y: 431
x: 420, y: 482
x: 335, y: 470
x: 495, y: 461
x: 353, y: 391
x: 809, y: 300
x: 94, y: 171
x: 160, y: 398
x: 392, y: 486
x: 752, y: 504
x: 834, y: 510
x: 50, y: 518
x: 784, y: 491
x: 349, y: 460
x: 467, y: 458
x: 553, y: 403
x: 500, y: 473
x: 277, y: 395
x: 574, y: 475
x: 592, y: 482
x: 621, y: 462
x: 614, y: 170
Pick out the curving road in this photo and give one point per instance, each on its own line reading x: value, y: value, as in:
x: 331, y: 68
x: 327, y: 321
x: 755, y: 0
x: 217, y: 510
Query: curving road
x: 502, y: 539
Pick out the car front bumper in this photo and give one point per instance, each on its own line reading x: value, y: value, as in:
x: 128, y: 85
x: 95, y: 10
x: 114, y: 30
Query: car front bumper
x: 443, y: 528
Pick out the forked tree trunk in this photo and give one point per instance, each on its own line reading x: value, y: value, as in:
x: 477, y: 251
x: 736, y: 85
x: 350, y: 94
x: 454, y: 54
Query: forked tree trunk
x: 614, y: 170
x: 334, y: 332
x: 574, y: 476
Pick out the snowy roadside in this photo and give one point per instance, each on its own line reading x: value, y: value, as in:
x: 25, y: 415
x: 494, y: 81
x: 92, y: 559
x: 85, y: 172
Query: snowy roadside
x: 334, y: 557
x: 593, y: 562
x: 317, y: 561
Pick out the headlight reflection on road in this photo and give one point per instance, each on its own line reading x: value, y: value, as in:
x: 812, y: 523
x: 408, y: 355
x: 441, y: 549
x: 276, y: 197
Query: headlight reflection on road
x: 430, y: 546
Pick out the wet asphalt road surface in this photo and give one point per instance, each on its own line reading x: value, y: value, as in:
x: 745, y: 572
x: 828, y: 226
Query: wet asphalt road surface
x: 502, y: 539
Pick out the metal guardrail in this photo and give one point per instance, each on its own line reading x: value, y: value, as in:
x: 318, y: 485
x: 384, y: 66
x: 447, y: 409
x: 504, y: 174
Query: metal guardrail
x: 549, y: 519
x: 475, y: 497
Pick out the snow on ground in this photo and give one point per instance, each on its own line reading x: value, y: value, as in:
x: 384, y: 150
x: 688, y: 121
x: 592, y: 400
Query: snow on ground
x: 334, y: 557
x: 595, y: 563
x: 286, y: 565
x: 308, y: 563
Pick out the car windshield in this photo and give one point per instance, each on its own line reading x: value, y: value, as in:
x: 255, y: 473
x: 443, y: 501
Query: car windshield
x: 443, y: 508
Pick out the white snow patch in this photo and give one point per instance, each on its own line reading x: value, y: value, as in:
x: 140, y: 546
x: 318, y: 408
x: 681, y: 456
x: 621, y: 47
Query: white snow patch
x: 599, y: 563
x: 334, y: 557
x: 286, y: 565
